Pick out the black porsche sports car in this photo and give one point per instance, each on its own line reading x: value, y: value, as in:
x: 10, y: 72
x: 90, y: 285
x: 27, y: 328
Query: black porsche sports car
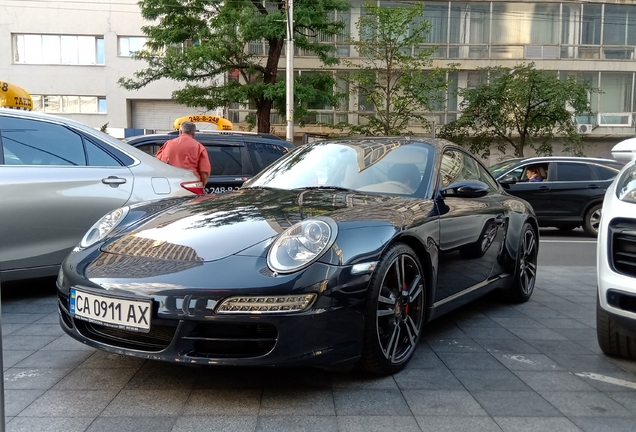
x: 338, y: 253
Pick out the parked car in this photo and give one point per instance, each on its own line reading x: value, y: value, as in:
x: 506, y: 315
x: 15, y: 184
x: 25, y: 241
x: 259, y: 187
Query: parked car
x: 616, y: 266
x: 57, y: 177
x: 337, y: 253
x: 235, y: 156
x: 571, y: 193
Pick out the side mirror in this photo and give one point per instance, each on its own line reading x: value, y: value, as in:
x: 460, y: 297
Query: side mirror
x: 465, y: 189
x: 508, y: 179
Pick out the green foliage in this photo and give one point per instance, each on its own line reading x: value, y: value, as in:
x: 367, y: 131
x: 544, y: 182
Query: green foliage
x: 389, y: 77
x: 104, y: 128
x: 196, y: 41
x: 521, y: 107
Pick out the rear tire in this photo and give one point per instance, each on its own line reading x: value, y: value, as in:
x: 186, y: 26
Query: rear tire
x: 394, y: 312
x: 525, y: 275
x: 592, y: 220
x: 612, y: 338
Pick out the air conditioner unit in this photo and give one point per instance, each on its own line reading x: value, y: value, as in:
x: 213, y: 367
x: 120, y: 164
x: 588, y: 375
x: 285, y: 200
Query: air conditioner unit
x: 584, y: 128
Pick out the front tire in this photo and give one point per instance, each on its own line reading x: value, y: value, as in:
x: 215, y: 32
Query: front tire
x: 612, y: 338
x: 394, y: 314
x: 592, y: 220
x: 525, y: 275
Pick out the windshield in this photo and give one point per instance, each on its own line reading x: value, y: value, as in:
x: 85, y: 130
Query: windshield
x: 499, y: 168
x: 376, y: 166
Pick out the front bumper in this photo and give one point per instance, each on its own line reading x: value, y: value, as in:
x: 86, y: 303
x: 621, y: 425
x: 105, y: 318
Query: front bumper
x: 185, y: 329
x: 616, y: 260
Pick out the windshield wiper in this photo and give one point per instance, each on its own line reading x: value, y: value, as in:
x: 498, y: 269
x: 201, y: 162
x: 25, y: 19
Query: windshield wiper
x: 339, y: 188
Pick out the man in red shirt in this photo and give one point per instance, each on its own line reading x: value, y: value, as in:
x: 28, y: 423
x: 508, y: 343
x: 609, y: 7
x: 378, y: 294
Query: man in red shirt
x: 186, y: 152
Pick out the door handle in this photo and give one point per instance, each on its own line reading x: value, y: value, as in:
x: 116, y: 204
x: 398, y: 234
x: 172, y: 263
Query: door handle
x: 113, y: 181
x: 543, y: 189
x: 500, y: 220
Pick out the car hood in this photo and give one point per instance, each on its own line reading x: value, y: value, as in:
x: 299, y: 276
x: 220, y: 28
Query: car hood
x: 212, y: 228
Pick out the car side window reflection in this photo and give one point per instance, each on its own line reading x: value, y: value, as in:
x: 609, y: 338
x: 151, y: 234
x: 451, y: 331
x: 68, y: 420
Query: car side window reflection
x: 573, y: 172
x: 262, y: 155
x: 41, y: 143
x: 458, y: 166
x: 98, y: 157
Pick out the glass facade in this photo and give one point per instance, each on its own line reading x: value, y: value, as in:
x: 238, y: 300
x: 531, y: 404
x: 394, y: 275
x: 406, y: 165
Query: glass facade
x: 468, y: 31
x: 58, y: 49
x: 69, y: 104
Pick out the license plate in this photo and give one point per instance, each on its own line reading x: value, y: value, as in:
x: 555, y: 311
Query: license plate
x: 124, y: 314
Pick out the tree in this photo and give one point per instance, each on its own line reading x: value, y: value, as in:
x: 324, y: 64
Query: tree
x: 196, y: 41
x: 389, y: 76
x: 521, y: 107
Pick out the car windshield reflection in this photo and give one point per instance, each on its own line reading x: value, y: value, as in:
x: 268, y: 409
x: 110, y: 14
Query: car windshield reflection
x: 388, y: 167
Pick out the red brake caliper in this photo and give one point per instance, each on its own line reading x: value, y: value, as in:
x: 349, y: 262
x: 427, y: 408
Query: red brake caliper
x: 406, y: 308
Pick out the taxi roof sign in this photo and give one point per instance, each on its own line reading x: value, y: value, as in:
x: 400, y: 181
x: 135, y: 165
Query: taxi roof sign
x: 220, y: 122
x: 12, y: 96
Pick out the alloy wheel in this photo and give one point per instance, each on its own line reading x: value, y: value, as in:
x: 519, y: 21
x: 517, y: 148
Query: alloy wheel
x: 528, y: 262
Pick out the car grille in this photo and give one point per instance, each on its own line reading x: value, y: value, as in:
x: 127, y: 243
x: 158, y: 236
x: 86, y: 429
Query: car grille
x: 229, y: 340
x: 157, y: 339
x: 623, y: 246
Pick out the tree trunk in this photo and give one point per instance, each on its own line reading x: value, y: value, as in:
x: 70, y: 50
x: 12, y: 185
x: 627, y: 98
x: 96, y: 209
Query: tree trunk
x: 264, y: 108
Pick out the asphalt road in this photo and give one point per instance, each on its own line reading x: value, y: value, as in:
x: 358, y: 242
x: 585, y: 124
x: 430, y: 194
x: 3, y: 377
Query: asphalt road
x: 566, y: 248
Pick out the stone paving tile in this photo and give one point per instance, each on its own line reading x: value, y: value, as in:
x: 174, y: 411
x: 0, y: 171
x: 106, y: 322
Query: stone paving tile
x: 16, y: 401
x: 38, y: 328
x: 31, y: 379
x: 54, y: 359
x: 106, y: 360
x: 351, y: 402
x: 31, y: 343
x: 425, y: 379
x: 558, y: 347
x: 295, y: 424
x: 455, y: 346
x: 48, y: 424
x: 146, y: 403
x: 298, y: 401
x: 366, y: 381
x: 95, y: 379
x: 490, y: 380
x: 536, y: 424
x: 515, y: 404
x: 553, y: 381
x: 586, y: 404
x: 473, y: 362
x: 442, y: 403
x: 507, y: 346
x: 457, y: 424
x: 377, y: 423
x: 525, y: 362
x: 11, y: 358
x: 132, y: 424
x: 239, y: 402
x: 162, y: 376
x: 69, y: 403
x: 214, y: 424
x: 604, y: 424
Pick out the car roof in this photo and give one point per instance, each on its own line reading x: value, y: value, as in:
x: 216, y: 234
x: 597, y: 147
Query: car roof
x: 539, y: 159
x: 212, y: 137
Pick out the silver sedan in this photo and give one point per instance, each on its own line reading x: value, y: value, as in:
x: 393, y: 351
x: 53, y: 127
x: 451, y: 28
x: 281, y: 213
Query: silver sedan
x: 57, y: 177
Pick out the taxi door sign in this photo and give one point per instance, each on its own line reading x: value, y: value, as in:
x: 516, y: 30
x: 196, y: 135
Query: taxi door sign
x: 12, y: 96
x: 220, y: 122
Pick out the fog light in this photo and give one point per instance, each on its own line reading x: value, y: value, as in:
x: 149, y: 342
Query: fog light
x: 266, y: 304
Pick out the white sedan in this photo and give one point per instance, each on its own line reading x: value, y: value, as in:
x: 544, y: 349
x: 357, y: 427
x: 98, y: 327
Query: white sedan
x: 616, y: 263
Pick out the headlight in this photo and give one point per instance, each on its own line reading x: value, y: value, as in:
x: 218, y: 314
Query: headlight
x: 626, y: 185
x: 102, y: 227
x: 302, y: 244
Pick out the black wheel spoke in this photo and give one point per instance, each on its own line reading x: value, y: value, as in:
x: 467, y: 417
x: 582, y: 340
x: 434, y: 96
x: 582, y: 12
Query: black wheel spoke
x: 400, y: 308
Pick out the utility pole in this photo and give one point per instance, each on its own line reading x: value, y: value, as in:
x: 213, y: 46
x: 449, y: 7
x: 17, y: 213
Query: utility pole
x: 289, y: 71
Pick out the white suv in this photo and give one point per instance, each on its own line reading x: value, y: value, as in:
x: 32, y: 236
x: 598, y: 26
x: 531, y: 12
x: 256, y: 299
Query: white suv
x: 616, y: 260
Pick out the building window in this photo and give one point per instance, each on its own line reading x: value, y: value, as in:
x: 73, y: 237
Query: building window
x: 128, y: 46
x: 69, y: 104
x: 58, y: 49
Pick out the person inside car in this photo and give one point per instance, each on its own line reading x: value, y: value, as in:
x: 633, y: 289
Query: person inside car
x: 533, y: 174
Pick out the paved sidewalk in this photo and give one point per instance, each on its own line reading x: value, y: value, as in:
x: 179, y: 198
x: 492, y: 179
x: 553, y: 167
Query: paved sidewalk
x: 487, y: 367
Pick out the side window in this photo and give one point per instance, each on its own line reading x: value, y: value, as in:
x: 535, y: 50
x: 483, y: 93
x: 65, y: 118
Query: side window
x: 33, y: 142
x: 485, y: 177
x: 457, y: 166
x: 606, y: 172
x: 262, y: 155
x: 225, y: 160
x: 571, y: 171
x: 98, y: 157
x: 150, y: 149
